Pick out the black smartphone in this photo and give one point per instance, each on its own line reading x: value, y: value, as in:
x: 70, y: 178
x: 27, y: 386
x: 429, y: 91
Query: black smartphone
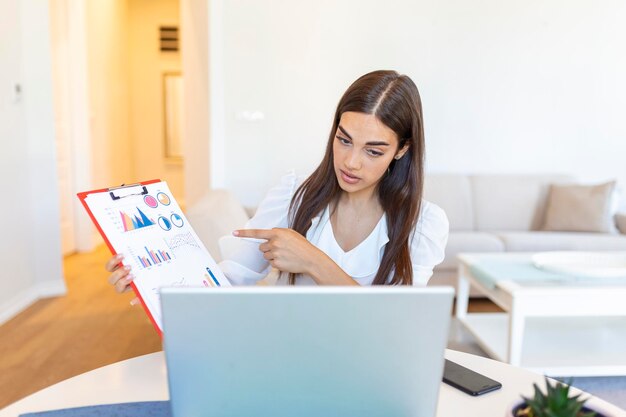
x: 467, y: 380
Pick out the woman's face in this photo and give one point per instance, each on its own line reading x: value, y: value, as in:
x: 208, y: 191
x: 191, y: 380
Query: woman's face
x: 363, y: 148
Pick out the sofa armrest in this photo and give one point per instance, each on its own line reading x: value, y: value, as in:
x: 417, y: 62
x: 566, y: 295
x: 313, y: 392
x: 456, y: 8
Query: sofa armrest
x: 216, y: 214
x: 620, y: 221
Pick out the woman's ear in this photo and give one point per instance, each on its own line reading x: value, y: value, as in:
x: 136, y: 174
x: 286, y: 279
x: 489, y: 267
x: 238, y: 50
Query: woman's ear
x: 401, y: 152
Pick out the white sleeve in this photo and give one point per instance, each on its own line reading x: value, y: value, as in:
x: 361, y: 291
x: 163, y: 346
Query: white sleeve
x: 243, y: 262
x: 429, y: 242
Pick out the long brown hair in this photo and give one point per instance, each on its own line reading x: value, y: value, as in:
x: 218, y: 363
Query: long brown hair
x: 395, y: 101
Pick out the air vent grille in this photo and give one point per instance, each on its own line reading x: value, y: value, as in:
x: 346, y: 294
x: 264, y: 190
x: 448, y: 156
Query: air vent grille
x: 168, y: 38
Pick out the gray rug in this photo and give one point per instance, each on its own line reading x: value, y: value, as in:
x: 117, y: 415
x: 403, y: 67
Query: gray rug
x: 610, y: 388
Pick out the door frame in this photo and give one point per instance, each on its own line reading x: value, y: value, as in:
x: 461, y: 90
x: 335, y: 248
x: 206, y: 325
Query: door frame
x: 73, y: 61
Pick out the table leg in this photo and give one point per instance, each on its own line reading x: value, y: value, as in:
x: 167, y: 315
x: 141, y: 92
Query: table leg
x: 516, y: 336
x: 462, y: 293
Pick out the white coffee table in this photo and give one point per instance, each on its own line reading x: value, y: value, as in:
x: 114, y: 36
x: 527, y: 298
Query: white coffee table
x: 145, y: 379
x: 560, y: 329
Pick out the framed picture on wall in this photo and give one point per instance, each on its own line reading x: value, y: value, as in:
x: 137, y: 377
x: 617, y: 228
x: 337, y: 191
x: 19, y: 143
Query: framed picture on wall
x: 173, y: 115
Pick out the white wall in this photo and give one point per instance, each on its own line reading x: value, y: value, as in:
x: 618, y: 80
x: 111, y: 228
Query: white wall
x: 195, y: 64
x: 122, y: 140
x: 30, y: 244
x: 109, y: 97
x: 507, y: 86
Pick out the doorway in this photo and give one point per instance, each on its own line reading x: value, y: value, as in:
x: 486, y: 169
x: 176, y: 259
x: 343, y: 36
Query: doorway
x: 114, y: 62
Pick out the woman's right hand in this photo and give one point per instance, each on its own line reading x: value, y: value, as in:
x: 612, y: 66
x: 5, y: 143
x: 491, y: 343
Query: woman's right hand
x: 121, y: 276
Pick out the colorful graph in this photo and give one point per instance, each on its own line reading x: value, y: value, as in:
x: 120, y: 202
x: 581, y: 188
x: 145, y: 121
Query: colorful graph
x: 164, y: 223
x: 150, y: 201
x: 164, y: 199
x: 154, y: 257
x: 132, y: 222
x: 210, y: 280
x: 177, y: 220
x: 182, y: 241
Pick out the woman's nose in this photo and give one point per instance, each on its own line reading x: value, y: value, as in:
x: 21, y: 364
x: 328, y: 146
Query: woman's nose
x: 353, y: 160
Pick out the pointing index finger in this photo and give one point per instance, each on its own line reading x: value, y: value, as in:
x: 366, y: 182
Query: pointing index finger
x: 254, y: 233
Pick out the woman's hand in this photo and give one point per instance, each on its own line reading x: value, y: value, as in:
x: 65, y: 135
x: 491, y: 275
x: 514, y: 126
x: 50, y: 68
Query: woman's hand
x: 120, y: 277
x: 285, y: 249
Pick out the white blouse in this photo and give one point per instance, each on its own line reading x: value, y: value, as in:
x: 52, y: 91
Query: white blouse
x: 244, y: 264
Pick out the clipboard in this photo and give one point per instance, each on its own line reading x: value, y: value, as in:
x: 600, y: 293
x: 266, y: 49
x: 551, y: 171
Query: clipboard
x: 174, y: 254
x: 82, y: 197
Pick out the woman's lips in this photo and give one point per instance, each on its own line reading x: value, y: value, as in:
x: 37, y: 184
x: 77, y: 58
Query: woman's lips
x: 349, y: 178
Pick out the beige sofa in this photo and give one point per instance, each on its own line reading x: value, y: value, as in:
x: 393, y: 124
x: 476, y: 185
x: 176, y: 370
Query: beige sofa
x: 502, y: 213
x: 487, y: 213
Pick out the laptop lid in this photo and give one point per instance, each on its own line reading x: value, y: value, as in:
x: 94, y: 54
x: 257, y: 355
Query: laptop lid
x: 324, y: 351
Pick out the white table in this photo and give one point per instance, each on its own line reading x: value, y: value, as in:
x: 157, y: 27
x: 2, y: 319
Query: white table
x: 555, y: 329
x: 145, y: 379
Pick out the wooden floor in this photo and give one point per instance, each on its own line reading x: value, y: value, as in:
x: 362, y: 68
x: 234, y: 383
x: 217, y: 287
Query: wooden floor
x: 90, y: 327
x: 60, y: 337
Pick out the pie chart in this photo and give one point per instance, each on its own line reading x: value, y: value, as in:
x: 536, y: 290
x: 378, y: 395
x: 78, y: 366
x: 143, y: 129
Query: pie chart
x: 150, y: 201
x: 164, y: 223
x: 177, y: 220
x: 164, y: 199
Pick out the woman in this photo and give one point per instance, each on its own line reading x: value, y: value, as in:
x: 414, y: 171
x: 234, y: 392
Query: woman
x: 359, y: 219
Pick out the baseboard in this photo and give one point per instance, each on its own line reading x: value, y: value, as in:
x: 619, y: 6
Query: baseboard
x: 51, y: 289
x: 27, y: 297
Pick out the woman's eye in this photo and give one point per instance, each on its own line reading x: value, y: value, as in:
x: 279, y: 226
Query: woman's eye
x: 343, y: 141
x: 374, y: 152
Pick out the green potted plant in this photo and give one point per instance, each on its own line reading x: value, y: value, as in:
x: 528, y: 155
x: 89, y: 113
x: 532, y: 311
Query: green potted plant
x: 555, y: 402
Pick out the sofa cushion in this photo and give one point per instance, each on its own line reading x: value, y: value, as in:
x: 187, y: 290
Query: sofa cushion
x: 511, y: 202
x: 548, y: 241
x: 581, y: 208
x: 469, y: 242
x: 453, y: 194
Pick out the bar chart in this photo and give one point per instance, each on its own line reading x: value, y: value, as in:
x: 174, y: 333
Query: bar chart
x: 153, y: 257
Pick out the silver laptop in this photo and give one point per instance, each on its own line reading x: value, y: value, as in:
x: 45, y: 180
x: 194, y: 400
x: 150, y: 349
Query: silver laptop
x: 300, y: 352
